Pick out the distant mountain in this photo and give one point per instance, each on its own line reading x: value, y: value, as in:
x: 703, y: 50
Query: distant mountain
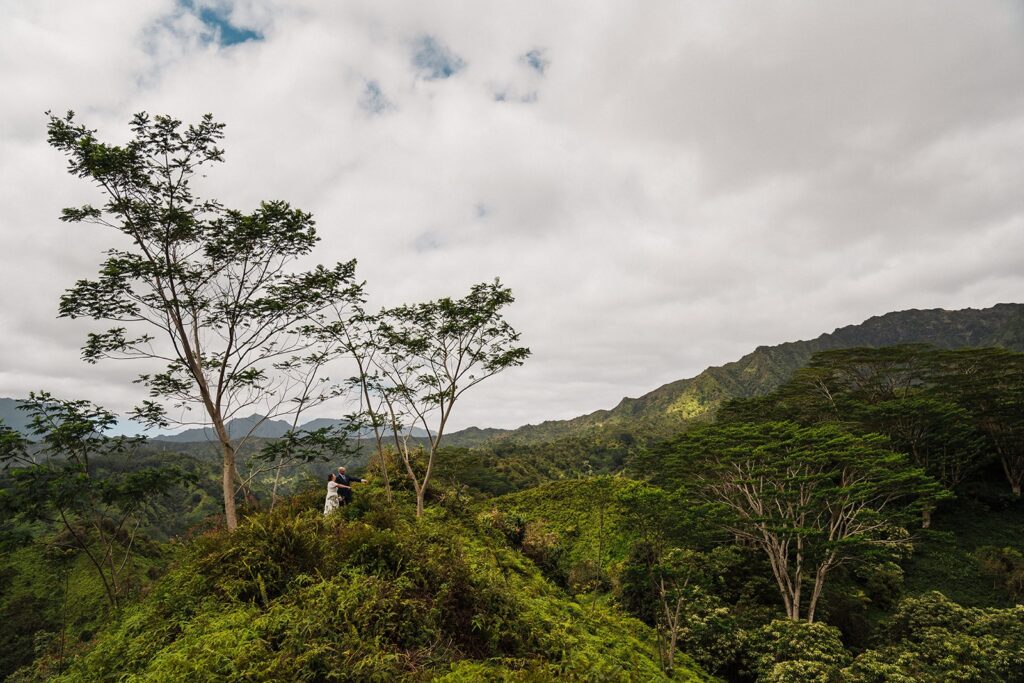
x: 365, y: 433
x: 11, y: 416
x: 767, y: 367
x: 697, y: 398
x: 269, y: 429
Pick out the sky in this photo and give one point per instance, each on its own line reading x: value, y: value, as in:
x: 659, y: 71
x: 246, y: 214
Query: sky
x: 664, y: 185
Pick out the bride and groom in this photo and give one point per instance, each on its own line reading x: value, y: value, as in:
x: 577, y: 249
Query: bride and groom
x: 339, y: 490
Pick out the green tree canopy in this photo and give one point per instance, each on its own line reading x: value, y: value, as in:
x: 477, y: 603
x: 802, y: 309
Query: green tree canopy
x: 947, y: 410
x: 810, y: 498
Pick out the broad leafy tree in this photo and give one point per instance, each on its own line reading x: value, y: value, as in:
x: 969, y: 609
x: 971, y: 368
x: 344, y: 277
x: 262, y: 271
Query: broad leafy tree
x: 810, y: 498
x: 201, y: 289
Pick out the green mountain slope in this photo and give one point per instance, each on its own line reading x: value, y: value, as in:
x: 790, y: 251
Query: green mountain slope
x: 767, y: 367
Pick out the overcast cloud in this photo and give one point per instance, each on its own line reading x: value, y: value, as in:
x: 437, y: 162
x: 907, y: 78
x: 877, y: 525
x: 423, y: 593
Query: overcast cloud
x: 664, y: 185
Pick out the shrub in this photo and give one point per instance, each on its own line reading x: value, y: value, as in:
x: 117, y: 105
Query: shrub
x: 931, y: 639
x: 791, y: 651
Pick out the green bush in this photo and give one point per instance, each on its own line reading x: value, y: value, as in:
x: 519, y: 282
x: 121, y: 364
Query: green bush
x: 1006, y: 568
x: 794, y: 651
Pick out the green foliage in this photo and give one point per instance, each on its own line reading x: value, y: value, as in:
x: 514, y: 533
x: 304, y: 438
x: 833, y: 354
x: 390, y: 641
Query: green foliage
x: 572, y: 528
x: 504, y: 467
x: 52, y: 601
x: 786, y: 651
x: 943, y: 409
x: 1006, y: 567
x: 931, y: 639
x: 61, y: 481
x: 989, y: 383
x: 883, y: 584
x: 946, y: 557
x: 366, y: 594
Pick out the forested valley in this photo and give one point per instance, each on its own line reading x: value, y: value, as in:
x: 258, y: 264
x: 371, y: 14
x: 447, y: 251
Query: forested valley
x: 846, y: 509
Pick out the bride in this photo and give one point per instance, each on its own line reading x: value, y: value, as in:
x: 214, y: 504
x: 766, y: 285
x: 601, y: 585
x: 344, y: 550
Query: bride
x: 331, y: 502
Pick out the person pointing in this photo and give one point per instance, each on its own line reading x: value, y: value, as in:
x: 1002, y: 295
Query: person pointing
x: 345, y: 485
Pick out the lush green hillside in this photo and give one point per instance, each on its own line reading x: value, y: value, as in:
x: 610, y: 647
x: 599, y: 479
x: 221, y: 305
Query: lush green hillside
x: 767, y: 367
x: 367, y: 594
x: 882, y: 621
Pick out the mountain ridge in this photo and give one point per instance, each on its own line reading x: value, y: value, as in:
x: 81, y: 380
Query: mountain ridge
x: 767, y: 367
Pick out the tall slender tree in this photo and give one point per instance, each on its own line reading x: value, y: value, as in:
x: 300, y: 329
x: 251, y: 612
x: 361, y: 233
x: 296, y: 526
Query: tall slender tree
x: 424, y: 358
x: 201, y: 289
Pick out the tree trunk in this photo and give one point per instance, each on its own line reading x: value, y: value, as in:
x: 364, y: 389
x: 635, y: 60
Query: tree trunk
x: 277, y: 480
x: 421, y: 494
x: 797, y: 585
x: 382, y: 458
x: 926, y: 518
x: 1012, y: 471
x: 420, y: 488
x: 230, y: 515
x: 819, y: 583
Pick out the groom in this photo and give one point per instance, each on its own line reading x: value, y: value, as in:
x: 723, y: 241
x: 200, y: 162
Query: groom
x: 345, y: 485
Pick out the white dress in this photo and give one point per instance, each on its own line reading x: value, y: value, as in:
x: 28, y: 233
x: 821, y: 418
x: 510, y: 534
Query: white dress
x: 331, y: 502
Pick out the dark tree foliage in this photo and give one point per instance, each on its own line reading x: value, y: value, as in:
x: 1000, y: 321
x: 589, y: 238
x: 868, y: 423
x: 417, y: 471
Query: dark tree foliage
x: 989, y: 385
x: 945, y: 409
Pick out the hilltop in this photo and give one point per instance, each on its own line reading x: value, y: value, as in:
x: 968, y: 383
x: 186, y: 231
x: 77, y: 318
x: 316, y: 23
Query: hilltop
x: 366, y: 594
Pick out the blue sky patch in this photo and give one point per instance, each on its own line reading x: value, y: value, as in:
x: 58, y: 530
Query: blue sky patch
x: 373, y: 99
x: 536, y: 60
x: 227, y: 33
x: 506, y: 96
x: 434, y: 60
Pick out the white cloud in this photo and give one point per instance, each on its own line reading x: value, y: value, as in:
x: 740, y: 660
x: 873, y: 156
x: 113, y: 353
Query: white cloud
x: 681, y: 183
